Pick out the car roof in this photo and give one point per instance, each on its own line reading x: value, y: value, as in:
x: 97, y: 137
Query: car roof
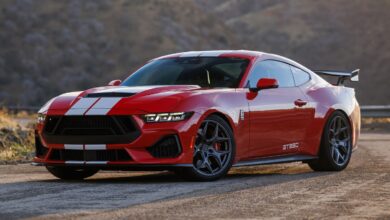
x: 248, y: 54
x: 215, y: 53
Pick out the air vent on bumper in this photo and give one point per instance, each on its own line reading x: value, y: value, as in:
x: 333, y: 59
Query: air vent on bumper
x: 90, y: 155
x: 40, y: 150
x: 168, y: 147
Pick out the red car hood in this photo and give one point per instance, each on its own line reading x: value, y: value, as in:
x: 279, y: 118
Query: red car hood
x: 102, y: 100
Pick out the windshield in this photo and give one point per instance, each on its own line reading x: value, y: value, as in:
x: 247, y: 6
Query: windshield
x: 202, y: 71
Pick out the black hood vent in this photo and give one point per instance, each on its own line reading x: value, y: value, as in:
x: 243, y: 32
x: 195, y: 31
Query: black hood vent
x: 109, y: 94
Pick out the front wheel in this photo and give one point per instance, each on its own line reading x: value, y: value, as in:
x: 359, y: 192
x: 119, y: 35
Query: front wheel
x: 336, y: 145
x: 214, y: 151
x: 71, y: 173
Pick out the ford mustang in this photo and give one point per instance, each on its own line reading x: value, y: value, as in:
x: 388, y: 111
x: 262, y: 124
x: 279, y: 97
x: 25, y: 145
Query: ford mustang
x: 200, y: 113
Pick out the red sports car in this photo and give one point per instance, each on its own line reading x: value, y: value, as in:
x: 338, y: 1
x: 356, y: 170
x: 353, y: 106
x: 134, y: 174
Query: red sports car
x: 200, y: 113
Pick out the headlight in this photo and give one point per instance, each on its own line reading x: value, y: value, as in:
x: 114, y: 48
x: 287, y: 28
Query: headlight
x: 41, y: 118
x: 167, y: 117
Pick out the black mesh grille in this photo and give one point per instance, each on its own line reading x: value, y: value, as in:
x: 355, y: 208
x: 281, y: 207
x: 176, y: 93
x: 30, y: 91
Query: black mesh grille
x: 83, y: 125
x: 168, y: 147
x: 90, y: 155
x: 51, y: 123
x: 90, y: 129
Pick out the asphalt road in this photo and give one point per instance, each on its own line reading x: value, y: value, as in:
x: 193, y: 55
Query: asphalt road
x: 290, y: 191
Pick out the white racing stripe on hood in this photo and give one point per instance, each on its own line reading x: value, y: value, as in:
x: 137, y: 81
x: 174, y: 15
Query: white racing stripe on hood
x: 77, y: 111
x: 84, y: 103
x: 81, y: 106
x: 93, y: 106
x: 103, y: 106
x: 98, y: 111
x: 106, y: 102
x: 125, y: 89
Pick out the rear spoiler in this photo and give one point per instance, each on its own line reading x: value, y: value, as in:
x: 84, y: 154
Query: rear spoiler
x: 353, y: 76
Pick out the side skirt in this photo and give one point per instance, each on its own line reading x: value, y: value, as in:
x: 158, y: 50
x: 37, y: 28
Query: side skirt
x: 276, y: 159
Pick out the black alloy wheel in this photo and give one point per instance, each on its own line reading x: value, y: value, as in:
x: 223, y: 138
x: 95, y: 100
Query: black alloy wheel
x: 336, y: 145
x: 214, y: 150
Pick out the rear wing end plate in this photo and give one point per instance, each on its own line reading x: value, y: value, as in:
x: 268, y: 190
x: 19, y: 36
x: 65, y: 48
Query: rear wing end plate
x: 342, y: 75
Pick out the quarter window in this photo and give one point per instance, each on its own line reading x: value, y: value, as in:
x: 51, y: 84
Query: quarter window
x: 300, y: 76
x: 272, y: 69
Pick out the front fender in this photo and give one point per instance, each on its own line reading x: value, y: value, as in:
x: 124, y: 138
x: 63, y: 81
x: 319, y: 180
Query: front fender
x: 230, y: 105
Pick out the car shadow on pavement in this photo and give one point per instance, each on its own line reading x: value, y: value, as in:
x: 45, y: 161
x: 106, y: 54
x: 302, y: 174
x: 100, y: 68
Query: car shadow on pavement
x: 237, y: 174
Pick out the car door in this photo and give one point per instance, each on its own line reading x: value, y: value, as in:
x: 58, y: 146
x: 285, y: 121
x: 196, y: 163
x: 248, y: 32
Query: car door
x: 277, y: 123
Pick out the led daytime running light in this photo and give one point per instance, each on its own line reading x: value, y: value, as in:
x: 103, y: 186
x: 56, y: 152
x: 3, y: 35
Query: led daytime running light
x: 167, y: 117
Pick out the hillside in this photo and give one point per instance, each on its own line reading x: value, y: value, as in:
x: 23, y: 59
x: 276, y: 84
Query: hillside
x: 330, y: 34
x: 48, y: 47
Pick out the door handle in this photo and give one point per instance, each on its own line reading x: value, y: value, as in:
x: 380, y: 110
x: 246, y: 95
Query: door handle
x: 300, y: 102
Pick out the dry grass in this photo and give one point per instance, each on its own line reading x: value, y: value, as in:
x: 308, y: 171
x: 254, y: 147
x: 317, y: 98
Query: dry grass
x: 375, y: 120
x: 16, y: 140
x: 376, y: 125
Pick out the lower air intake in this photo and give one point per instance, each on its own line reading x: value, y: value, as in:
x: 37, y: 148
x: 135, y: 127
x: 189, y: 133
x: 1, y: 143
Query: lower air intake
x: 90, y: 155
x: 168, y: 147
x: 40, y: 150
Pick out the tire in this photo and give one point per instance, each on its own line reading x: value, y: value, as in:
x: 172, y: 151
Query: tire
x: 71, y: 173
x: 336, y: 145
x: 214, y: 151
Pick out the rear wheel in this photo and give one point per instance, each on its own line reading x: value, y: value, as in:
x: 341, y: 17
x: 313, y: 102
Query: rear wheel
x: 336, y: 145
x: 71, y: 173
x: 214, y: 151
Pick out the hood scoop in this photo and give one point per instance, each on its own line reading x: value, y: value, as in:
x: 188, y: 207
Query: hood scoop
x: 109, y: 94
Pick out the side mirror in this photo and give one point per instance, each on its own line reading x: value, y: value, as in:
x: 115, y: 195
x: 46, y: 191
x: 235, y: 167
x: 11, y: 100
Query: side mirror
x: 116, y: 82
x: 265, y: 83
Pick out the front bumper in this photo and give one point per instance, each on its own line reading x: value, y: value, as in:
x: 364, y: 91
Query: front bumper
x: 127, y: 167
x: 139, y: 154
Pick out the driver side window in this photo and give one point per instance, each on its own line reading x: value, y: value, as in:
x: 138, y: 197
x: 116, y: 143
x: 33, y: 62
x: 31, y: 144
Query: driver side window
x: 271, y: 69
